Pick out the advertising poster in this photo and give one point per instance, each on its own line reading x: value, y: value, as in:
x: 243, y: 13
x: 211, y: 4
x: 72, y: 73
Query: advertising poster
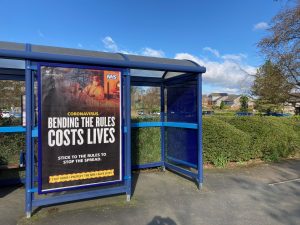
x: 79, y: 128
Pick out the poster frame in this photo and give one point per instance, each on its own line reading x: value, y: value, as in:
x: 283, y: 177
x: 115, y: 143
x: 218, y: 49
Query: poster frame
x: 121, y: 135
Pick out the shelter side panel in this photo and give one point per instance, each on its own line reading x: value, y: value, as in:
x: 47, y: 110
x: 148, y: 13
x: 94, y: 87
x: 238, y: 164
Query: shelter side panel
x: 181, y: 143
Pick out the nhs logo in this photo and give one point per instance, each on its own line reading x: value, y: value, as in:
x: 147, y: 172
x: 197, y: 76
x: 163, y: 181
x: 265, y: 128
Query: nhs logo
x: 111, y: 77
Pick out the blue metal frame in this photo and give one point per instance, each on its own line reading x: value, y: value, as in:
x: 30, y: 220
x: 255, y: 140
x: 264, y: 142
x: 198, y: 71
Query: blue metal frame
x: 180, y: 170
x: 79, y: 196
x: 13, y: 129
x: 12, y: 74
x: 128, y: 134
x: 198, y: 176
x: 190, y: 73
x: 41, y: 56
x: 126, y: 188
x: 147, y: 124
x: 162, y: 120
x: 199, y: 117
x: 165, y: 124
x: 181, y: 162
x: 29, y: 146
x: 180, y: 79
x: 148, y: 165
x: 40, y: 130
x: 146, y: 81
x: 33, y: 132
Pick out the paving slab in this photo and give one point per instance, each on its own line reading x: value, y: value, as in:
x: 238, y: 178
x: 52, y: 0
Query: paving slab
x: 266, y: 194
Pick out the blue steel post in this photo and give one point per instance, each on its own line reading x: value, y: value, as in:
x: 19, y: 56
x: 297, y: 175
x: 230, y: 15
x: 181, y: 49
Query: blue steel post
x: 29, y: 175
x: 162, y: 128
x: 32, y: 127
x: 199, y: 139
x: 128, y: 134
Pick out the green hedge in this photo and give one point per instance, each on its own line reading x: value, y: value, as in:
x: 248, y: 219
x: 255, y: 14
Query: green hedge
x: 225, y: 139
x: 223, y: 142
x: 271, y: 138
x: 230, y: 139
x: 145, y: 145
x: 11, y: 144
x: 145, y: 142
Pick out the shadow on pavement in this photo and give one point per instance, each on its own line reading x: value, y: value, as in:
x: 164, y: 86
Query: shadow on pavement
x: 135, y: 177
x: 8, y: 189
x: 9, y: 181
x: 158, y: 220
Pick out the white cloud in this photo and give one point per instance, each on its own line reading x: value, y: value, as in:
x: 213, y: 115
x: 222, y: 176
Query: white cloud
x: 40, y: 34
x: 227, y: 90
x: 152, y: 52
x: 213, y: 51
x: 189, y: 57
x: 80, y: 45
x: 234, y: 57
x: 261, y: 26
x: 228, y: 75
x: 110, y: 44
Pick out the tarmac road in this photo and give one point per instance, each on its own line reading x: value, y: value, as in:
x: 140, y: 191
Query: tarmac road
x: 263, y: 194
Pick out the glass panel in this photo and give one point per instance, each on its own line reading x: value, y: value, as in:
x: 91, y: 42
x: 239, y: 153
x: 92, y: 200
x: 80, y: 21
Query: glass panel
x: 145, y: 104
x: 172, y: 74
x: 181, y: 103
x: 146, y: 73
x: 10, y: 115
x: 166, y: 61
x: 181, y: 146
x: 181, y: 143
x: 145, y: 145
x: 11, y: 98
x: 11, y: 63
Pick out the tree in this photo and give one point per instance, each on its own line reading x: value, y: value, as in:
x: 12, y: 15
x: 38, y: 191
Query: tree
x: 151, y: 99
x: 244, y: 103
x: 282, y: 46
x: 271, y: 87
x: 222, y: 105
x: 11, y: 92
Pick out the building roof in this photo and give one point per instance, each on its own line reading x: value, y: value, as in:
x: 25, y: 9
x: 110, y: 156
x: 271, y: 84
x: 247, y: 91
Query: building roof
x: 232, y: 97
x: 218, y: 94
x: 295, y: 98
x: 220, y: 98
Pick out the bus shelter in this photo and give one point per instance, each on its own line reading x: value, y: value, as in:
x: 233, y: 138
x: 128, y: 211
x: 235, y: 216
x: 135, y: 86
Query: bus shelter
x: 78, y: 119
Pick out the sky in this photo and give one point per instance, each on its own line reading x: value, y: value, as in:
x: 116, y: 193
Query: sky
x: 220, y: 35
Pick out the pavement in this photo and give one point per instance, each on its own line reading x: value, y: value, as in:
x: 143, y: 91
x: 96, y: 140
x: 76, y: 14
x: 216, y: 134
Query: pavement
x: 262, y: 194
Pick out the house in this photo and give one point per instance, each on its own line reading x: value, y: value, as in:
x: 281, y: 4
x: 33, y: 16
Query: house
x: 205, y: 101
x: 215, y: 99
x: 292, y: 106
x: 232, y: 101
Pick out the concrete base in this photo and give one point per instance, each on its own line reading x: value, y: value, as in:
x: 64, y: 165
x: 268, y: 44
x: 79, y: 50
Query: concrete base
x: 128, y: 197
x: 200, y: 186
x: 28, y: 215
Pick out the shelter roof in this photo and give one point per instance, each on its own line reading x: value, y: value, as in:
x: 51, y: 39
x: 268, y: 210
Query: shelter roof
x: 160, y: 67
